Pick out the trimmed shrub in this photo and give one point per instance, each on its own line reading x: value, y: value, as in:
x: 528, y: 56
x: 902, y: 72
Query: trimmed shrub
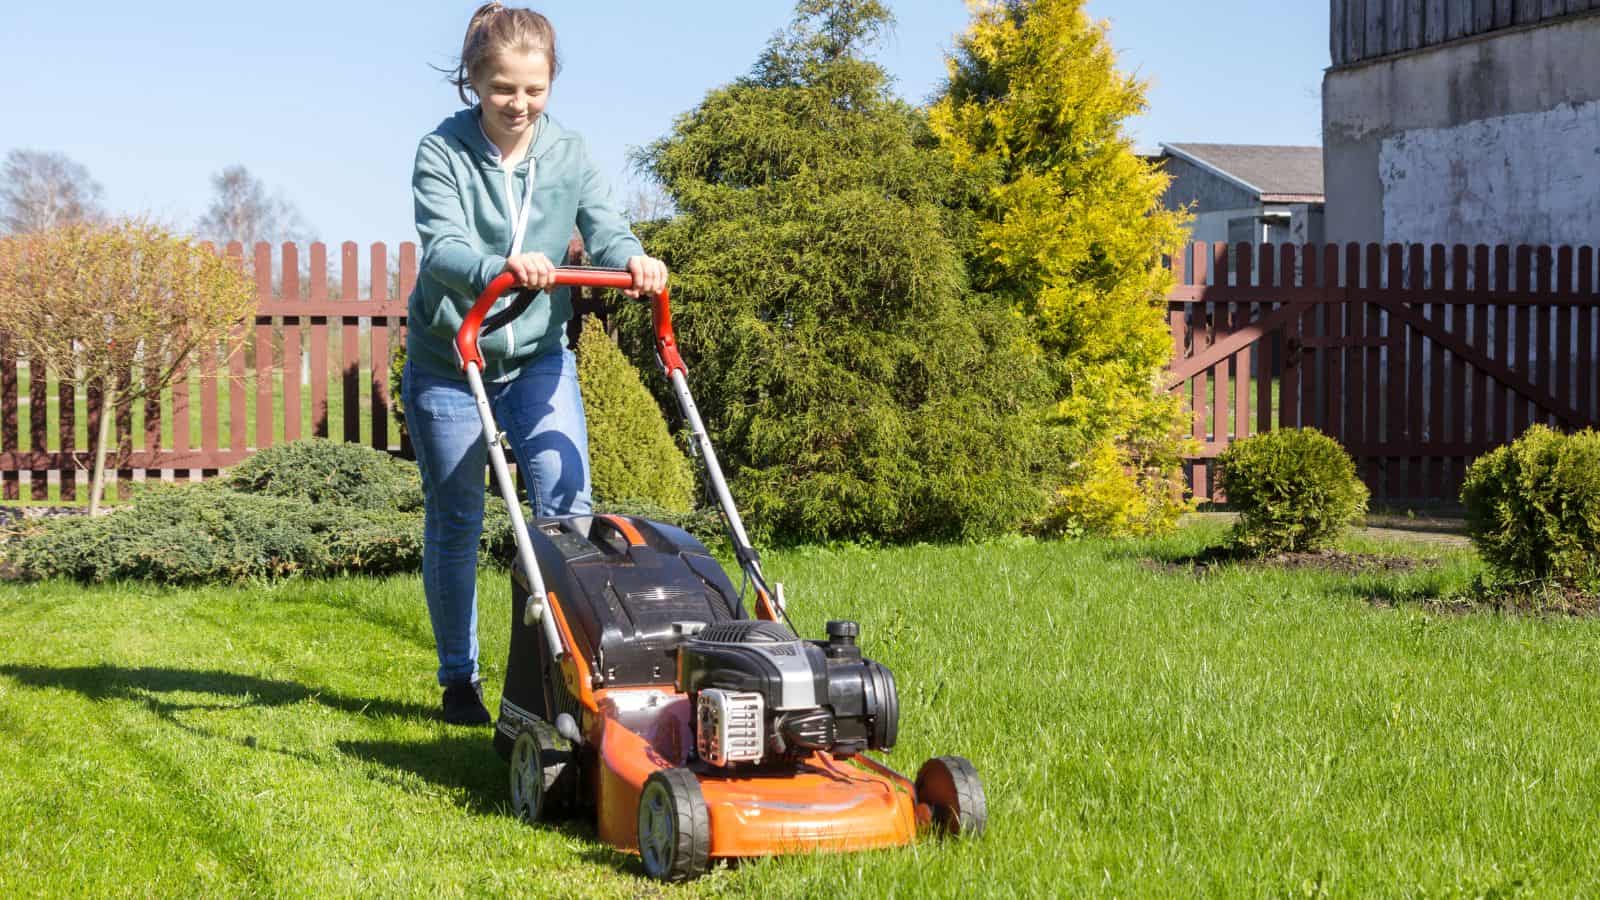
x: 1294, y: 489
x: 632, y: 457
x: 303, y: 511
x: 321, y: 472
x: 397, y: 369
x: 1533, y: 507
x: 200, y: 533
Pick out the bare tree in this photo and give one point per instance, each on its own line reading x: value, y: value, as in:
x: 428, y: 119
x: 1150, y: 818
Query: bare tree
x: 123, y: 306
x: 243, y: 210
x: 647, y: 202
x: 43, y: 190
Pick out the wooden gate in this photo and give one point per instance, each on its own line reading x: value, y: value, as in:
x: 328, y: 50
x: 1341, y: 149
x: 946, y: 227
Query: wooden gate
x: 1416, y: 358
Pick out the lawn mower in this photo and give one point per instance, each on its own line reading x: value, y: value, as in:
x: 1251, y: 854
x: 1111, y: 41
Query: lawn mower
x: 640, y: 691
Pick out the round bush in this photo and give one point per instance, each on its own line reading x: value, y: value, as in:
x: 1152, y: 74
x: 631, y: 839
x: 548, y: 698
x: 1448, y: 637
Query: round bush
x: 323, y: 472
x: 632, y: 458
x: 1533, y: 507
x: 1294, y: 489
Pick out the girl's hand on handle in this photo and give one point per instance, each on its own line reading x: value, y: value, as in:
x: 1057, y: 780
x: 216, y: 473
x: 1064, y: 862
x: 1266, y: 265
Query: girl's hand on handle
x: 649, y: 276
x: 533, y: 270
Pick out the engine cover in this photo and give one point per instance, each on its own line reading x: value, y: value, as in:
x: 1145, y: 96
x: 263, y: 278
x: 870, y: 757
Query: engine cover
x: 813, y: 695
x: 728, y: 727
x: 629, y: 588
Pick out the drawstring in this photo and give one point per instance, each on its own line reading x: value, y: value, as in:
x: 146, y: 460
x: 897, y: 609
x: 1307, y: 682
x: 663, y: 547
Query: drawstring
x: 519, y: 213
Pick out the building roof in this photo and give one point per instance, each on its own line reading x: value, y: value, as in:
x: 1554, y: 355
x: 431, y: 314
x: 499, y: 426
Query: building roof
x: 1275, y: 173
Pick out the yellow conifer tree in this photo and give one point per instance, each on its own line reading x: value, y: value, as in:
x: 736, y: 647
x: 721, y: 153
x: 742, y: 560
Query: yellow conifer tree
x: 1072, y: 233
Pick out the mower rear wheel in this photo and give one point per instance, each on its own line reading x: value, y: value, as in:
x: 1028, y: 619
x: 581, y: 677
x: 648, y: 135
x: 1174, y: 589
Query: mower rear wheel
x: 949, y: 789
x: 541, y: 783
x: 674, y: 826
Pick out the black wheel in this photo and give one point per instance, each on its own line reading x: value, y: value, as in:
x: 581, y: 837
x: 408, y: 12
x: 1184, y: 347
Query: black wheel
x: 949, y: 787
x: 542, y: 775
x: 674, y: 826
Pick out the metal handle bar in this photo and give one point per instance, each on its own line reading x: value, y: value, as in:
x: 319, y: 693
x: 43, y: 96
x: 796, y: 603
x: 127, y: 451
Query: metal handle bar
x: 473, y: 327
x: 471, y: 359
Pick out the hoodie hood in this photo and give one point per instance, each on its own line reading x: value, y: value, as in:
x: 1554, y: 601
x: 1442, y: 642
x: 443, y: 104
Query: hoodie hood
x: 466, y: 126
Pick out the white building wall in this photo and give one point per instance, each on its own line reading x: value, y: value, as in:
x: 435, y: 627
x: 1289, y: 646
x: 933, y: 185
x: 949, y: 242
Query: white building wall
x: 1489, y: 139
x: 1532, y: 177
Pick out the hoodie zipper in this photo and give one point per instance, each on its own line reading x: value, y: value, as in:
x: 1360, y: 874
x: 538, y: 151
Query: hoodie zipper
x: 519, y: 214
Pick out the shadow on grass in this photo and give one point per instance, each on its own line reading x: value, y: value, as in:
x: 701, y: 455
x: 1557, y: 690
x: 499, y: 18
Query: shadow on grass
x: 1172, y: 549
x: 1179, y: 558
x: 1380, y: 594
x: 1423, y: 518
x: 467, y: 767
x: 1534, y: 599
x: 145, y: 684
x: 464, y: 764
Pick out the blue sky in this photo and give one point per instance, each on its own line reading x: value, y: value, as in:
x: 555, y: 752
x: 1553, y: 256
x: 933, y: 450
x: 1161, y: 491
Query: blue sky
x: 325, y: 101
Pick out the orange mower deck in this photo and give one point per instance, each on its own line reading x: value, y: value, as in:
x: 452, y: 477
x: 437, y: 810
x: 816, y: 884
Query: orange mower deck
x: 819, y: 804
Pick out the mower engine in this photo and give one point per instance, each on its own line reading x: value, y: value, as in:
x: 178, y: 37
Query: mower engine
x: 760, y: 693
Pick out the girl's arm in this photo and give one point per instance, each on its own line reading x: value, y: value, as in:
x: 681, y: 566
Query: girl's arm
x: 447, y: 255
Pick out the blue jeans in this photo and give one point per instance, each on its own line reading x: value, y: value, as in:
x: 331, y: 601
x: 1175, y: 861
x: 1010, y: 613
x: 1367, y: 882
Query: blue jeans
x: 541, y: 414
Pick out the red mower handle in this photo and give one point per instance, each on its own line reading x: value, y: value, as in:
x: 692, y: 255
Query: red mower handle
x: 467, y: 351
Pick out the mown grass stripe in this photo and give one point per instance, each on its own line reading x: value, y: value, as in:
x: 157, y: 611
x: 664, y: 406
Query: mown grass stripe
x: 1139, y: 733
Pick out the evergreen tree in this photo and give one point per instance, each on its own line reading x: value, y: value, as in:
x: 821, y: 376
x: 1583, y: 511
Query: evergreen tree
x: 1072, y: 234
x: 854, y: 385
x: 632, y: 458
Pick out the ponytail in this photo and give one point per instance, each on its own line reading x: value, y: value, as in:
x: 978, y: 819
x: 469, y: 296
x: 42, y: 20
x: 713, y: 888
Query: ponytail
x: 494, y: 29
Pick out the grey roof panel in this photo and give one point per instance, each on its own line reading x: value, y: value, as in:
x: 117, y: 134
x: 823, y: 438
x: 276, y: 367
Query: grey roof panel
x: 1269, y: 169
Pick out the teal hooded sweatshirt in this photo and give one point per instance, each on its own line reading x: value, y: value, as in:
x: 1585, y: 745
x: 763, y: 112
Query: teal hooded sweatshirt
x: 466, y: 210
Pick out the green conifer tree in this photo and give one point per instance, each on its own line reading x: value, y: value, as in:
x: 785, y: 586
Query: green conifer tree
x: 855, y: 386
x: 1072, y: 235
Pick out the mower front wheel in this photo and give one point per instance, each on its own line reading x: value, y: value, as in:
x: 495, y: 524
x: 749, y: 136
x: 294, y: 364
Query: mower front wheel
x: 950, y: 797
x: 674, y: 826
x: 541, y: 782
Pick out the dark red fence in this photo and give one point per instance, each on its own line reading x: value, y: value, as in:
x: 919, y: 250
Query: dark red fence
x: 315, y: 361
x: 1417, y: 358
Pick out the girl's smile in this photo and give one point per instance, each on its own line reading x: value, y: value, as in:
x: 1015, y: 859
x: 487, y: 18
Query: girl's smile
x: 513, y: 89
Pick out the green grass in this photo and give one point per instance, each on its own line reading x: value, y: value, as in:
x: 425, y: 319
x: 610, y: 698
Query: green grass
x: 1250, y: 733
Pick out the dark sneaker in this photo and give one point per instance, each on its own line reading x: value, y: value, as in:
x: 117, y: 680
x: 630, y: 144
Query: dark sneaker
x: 463, y: 704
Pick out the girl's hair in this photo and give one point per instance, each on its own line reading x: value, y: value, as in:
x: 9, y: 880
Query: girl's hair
x: 496, y: 28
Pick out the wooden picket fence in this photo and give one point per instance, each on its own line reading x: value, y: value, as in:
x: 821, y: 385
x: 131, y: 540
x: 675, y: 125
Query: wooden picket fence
x: 1417, y: 358
x: 315, y: 362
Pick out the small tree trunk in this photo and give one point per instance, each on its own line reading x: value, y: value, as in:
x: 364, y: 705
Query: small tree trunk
x: 97, y: 483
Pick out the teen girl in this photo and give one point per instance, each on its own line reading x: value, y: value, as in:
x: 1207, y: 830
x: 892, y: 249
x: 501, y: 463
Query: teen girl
x: 498, y: 188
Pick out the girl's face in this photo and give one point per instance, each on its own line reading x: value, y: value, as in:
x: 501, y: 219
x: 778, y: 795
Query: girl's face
x: 514, y: 88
